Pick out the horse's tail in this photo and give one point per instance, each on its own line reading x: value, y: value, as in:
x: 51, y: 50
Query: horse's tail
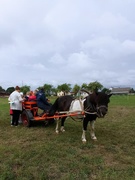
x: 53, y: 108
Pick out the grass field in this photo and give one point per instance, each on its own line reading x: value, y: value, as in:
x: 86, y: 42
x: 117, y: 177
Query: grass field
x: 37, y: 153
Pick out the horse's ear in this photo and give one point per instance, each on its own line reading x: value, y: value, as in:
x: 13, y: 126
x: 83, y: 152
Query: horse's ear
x: 109, y: 95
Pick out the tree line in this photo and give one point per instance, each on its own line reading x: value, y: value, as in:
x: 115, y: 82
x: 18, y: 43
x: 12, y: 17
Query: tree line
x: 51, y: 90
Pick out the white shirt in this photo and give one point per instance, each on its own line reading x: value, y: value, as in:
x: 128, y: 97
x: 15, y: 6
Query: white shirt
x: 15, y: 101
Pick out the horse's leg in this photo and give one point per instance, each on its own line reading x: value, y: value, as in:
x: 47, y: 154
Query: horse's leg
x: 57, y: 125
x: 92, y: 133
x: 85, y: 123
x: 84, y: 136
x: 62, y: 124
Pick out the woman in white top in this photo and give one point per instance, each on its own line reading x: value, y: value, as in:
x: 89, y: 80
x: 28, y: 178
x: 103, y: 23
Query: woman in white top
x: 15, y: 100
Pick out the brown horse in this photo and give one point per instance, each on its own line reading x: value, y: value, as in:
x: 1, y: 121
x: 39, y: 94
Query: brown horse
x: 94, y: 105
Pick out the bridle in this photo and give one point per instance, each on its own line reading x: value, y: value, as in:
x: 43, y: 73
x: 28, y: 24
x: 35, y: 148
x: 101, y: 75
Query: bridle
x: 99, y: 112
x: 102, y: 106
x: 94, y: 110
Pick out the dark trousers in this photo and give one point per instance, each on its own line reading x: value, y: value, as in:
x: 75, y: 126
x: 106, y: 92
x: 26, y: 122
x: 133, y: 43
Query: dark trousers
x: 45, y: 107
x: 16, y: 115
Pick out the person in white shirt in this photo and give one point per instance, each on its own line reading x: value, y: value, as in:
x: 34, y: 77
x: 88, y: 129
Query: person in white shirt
x: 15, y: 100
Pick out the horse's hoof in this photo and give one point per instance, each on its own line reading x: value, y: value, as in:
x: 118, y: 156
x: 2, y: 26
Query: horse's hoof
x: 94, y: 138
x: 84, y: 141
x: 63, y: 130
x: 57, y: 132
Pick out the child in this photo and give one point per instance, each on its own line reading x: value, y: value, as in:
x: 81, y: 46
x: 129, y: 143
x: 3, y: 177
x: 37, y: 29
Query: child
x: 11, y: 114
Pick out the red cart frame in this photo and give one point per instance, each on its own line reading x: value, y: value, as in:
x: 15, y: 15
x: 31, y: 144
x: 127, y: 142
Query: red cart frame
x: 30, y: 114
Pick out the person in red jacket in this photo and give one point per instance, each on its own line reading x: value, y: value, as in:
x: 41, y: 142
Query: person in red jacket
x: 32, y: 97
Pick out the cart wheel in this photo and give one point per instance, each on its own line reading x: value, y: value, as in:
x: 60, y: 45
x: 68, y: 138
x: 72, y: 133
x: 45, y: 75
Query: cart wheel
x: 26, y: 117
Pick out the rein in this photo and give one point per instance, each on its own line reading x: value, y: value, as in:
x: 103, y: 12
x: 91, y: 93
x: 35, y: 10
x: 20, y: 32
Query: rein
x: 89, y: 108
x: 90, y: 112
x: 80, y: 119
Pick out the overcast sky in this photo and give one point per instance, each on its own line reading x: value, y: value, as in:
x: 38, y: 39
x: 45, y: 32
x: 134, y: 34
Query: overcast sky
x: 67, y: 41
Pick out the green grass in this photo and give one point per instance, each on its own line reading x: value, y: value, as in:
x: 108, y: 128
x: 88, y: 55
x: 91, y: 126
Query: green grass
x: 37, y: 153
x: 122, y: 100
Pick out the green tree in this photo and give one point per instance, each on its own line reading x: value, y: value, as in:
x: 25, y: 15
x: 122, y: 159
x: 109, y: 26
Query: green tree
x: 64, y: 87
x: 48, y: 88
x: 94, y: 86
x: 1, y: 89
x: 25, y: 89
x: 132, y: 90
x: 76, y: 89
x: 84, y: 86
x: 10, y: 90
x: 105, y: 90
x: 54, y: 91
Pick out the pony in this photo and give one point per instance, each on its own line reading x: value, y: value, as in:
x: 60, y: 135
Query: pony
x: 94, y: 105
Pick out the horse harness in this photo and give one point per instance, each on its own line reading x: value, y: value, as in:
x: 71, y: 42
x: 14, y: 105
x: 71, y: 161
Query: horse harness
x: 93, y: 109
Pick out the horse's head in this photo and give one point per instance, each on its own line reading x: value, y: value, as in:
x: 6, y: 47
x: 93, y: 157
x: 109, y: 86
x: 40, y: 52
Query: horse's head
x: 96, y: 103
x: 101, y: 102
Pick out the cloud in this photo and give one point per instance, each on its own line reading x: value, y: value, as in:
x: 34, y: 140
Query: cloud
x: 70, y: 41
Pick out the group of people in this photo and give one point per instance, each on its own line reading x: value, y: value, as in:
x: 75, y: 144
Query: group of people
x: 16, y: 99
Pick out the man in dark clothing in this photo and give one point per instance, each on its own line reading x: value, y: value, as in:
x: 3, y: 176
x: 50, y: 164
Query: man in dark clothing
x: 42, y: 101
